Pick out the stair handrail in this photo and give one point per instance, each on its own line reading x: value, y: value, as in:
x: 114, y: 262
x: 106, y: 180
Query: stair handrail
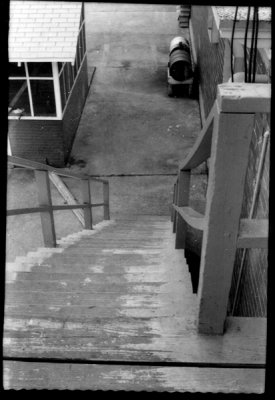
x: 226, y: 145
x: 202, y: 148
x: 46, y: 208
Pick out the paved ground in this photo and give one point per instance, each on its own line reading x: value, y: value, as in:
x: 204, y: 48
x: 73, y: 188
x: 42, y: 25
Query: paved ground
x: 129, y: 124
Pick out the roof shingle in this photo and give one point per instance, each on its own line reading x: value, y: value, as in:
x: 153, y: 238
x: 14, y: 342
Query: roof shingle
x: 47, y: 25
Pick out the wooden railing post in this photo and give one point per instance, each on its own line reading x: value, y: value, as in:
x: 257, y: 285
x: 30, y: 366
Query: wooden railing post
x: 232, y: 133
x: 86, y: 198
x: 44, y: 198
x: 175, y: 202
x: 182, y: 200
x: 172, y: 208
x: 106, y: 200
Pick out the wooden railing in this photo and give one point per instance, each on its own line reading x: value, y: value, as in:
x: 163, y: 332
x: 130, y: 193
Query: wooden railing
x: 225, y: 140
x: 46, y: 208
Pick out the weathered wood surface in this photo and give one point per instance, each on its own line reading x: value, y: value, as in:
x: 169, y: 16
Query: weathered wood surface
x: 229, y: 157
x: 44, y: 199
x: 253, y: 233
x: 29, y: 164
x: 122, y: 304
x: 244, y: 97
x: 66, y: 194
x: 202, y: 147
x: 192, y: 217
x: 182, y: 201
x: 20, y: 375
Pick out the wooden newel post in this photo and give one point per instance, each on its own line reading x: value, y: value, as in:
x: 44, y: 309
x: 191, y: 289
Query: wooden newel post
x: 182, y: 200
x: 232, y: 132
x: 86, y: 198
x: 44, y: 199
x: 106, y: 200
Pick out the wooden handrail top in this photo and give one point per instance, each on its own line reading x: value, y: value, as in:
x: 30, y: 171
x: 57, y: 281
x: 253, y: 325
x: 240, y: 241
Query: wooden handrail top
x: 253, y: 233
x: 24, y: 163
x: 31, y: 210
x: 202, y: 147
x: 191, y: 217
x: 244, y: 98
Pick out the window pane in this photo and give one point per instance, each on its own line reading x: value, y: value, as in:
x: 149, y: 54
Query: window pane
x: 69, y: 77
x: 18, y: 97
x: 43, y: 98
x: 62, y: 90
x: 84, y: 39
x: 75, y: 65
x: 72, y: 71
x: 14, y: 70
x: 78, y: 53
x: 40, y: 69
x: 59, y: 64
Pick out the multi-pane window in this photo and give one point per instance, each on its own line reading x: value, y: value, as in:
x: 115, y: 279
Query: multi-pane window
x: 67, y: 71
x: 31, y: 90
x: 33, y: 86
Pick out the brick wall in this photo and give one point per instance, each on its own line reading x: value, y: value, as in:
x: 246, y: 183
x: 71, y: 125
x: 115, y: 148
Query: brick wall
x: 210, y: 57
x: 74, y: 108
x: 37, y: 139
x: 253, y: 286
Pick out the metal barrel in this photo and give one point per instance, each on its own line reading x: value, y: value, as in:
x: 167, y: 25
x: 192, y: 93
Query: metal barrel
x: 179, y: 42
x: 180, y: 67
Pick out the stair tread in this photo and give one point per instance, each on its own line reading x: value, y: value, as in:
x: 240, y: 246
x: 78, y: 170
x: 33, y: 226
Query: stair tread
x: 135, y: 378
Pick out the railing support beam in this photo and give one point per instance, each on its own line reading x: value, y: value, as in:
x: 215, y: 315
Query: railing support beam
x: 86, y: 198
x: 229, y: 158
x: 106, y: 197
x: 44, y: 198
x: 182, y: 200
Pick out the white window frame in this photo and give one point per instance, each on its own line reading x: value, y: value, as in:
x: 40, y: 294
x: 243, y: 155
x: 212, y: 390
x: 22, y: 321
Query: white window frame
x: 28, y: 78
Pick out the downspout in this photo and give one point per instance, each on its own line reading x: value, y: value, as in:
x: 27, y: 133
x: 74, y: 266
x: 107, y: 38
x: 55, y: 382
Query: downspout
x: 252, y: 210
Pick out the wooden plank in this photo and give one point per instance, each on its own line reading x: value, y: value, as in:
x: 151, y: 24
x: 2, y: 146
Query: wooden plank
x: 127, y: 378
x: 24, y: 163
x: 106, y: 200
x: 244, y: 97
x: 253, y: 233
x: 202, y: 147
x: 86, y: 198
x: 44, y: 198
x: 230, y: 147
x: 29, y: 375
x: 175, y: 200
x: 191, y: 217
x: 182, y: 200
x: 66, y: 194
x: 153, y: 340
x: 29, y: 210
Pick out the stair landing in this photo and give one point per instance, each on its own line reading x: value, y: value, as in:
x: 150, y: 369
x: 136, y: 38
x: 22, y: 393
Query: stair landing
x: 115, y: 310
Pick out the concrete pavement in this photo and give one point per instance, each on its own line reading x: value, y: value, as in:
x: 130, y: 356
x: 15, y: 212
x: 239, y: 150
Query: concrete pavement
x: 129, y: 125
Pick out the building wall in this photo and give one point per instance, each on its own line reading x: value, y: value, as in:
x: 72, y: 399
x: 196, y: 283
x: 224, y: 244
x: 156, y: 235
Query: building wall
x: 37, y: 139
x: 210, y: 57
x: 74, y: 108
